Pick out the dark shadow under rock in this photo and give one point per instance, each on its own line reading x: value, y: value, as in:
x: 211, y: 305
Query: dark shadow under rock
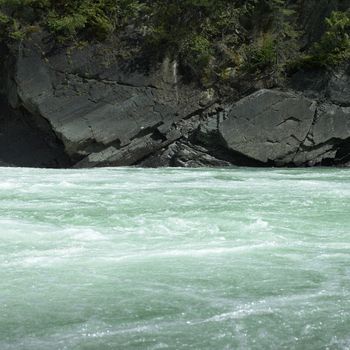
x: 24, y: 143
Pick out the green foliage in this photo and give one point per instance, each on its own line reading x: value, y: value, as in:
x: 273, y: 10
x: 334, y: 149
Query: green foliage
x: 210, y: 39
x: 276, y: 42
x: 203, y: 35
x: 334, y: 46
x: 67, y: 25
x: 196, y: 54
x: 189, y: 31
x: 87, y: 16
x: 69, y: 18
x: 261, y: 56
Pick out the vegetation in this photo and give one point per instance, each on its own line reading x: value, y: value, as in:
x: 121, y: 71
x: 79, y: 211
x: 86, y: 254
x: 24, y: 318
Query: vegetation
x: 210, y: 39
x: 334, y: 46
x: 66, y: 18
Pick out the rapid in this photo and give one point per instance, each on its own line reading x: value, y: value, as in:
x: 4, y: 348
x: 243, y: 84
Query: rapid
x: 174, y: 259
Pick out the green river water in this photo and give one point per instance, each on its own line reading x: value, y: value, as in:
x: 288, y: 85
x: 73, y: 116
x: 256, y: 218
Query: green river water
x: 174, y: 259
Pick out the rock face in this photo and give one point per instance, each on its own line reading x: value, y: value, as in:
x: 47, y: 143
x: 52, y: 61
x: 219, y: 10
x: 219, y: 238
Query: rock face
x: 86, y: 107
x: 318, y: 84
x: 283, y: 128
x: 99, y: 110
x: 328, y: 141
x: 313, y: 13
x: 268, y: 126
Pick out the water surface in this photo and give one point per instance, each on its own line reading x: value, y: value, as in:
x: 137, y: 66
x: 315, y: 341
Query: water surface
x: 174, y: 259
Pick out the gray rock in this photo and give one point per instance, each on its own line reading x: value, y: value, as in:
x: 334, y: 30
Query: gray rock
x: 333, y: 122
x: 85, y: 107
x: 322, y: 84
x: 312, y: 83
x: 284, y: 128
x: 126, y: 156
x: 185, y: 154
x: 102, y: 111
x: 268, y: 126
x: 327, y: 138
x: 339, y: 88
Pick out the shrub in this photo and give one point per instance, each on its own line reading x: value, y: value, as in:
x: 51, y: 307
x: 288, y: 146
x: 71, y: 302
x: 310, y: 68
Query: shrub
x: 334, y: 46
x: 68, y: 18
x: 260, y: 57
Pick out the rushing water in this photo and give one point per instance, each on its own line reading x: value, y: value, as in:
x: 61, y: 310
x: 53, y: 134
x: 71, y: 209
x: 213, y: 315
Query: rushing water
x: 174, y: 259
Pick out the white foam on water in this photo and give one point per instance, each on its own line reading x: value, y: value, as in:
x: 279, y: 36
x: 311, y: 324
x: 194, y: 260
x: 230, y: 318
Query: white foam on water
x: 193, y: 253
x: 259, y: 224
x: 218, y: 258
x: 242, y: 313
x: 42, y: 258
x: 84, y: 235
x: 9, y: 185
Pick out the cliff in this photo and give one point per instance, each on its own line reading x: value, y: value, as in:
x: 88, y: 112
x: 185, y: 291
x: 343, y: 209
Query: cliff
x: 111, y: 102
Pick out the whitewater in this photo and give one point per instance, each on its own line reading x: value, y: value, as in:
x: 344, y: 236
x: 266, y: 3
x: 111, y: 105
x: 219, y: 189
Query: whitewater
x: 174, y: 259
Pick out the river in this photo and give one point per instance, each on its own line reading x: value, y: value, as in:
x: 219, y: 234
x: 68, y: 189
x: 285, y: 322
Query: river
x: 174, y: 259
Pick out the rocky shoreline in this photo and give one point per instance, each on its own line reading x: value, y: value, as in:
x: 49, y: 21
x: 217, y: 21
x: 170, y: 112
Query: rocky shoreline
x: 84, y: 107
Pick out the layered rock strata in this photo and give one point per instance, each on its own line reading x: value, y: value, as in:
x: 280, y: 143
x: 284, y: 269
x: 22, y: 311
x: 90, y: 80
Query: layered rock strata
x: 85, y: 108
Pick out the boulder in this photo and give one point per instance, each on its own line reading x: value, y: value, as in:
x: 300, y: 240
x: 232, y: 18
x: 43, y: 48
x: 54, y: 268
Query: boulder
x: 328, y: 138
x: 286, y: 129
x: 268, y: 126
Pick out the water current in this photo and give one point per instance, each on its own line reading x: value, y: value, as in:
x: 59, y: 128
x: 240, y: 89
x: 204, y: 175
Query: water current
x: 174, y: 259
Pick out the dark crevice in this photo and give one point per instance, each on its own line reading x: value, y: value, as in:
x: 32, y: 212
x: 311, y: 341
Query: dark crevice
x: 218, y: 148
x: 146, y: 131
x: 158, y: 136
x: 307, y: 135
x: 288, y: 120
x: 28, y: 140
x: 96, y: 78
x: 343, y: 153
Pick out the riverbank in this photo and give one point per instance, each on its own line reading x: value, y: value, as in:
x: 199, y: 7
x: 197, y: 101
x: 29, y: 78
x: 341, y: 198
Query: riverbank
x: 109, y: 102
